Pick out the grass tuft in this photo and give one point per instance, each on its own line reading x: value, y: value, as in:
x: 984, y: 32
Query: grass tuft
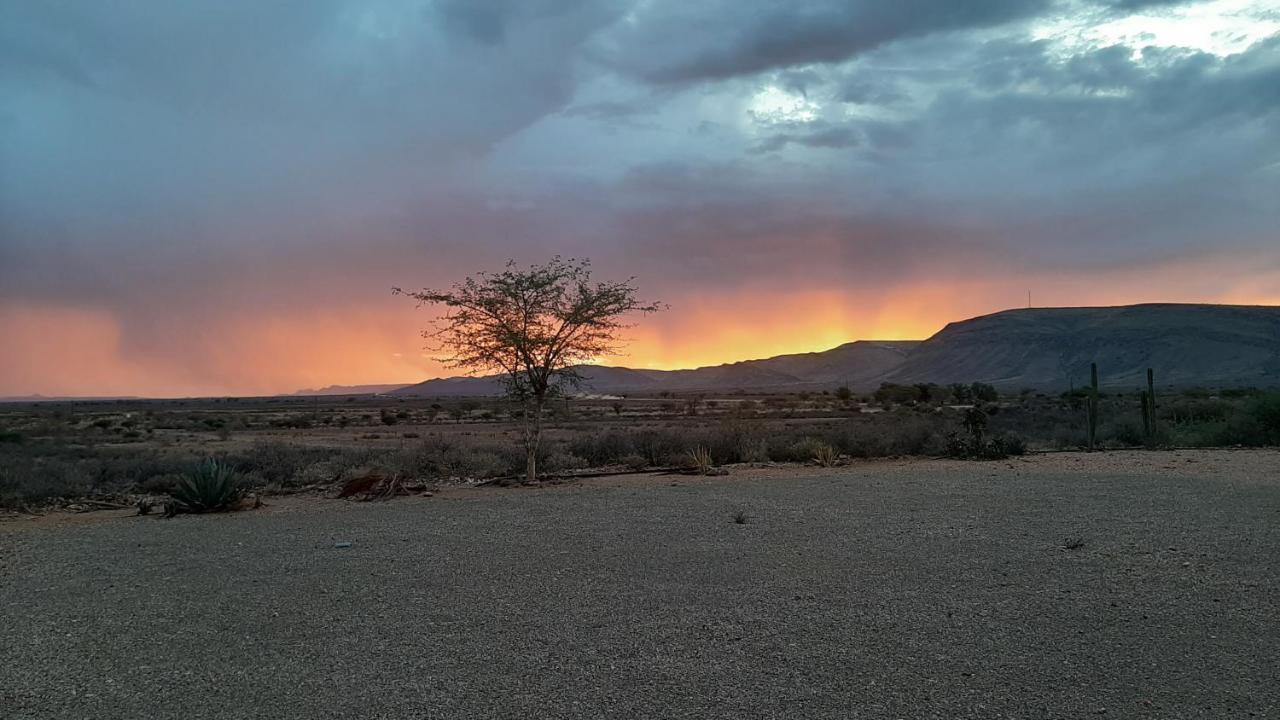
x: 825, y: 455
x: 700, y: 461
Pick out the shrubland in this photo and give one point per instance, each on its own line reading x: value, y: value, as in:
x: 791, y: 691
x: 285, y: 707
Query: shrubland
x: 118, y: 449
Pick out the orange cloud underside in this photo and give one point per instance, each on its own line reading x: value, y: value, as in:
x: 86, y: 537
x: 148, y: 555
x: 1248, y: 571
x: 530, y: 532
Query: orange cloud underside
x: 58, y: 350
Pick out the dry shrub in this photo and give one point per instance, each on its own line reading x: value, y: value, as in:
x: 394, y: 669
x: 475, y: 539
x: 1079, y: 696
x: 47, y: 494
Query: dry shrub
x: 825, y: 455
x: 699, y: 460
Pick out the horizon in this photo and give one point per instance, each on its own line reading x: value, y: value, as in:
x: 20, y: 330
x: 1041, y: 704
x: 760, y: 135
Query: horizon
x: 214, y: 199
x: 318, y: 391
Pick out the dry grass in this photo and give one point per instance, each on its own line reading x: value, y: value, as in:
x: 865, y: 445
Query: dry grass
x: 700, y: 461
x: 121, y: 450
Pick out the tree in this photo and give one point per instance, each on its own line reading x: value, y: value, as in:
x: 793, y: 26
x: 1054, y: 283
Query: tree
x: 895, y: 393
x: 532, y: 327
x: 983, y: 392
x: 844, y: 394
x: 924, y: 391
x: 961, y: 394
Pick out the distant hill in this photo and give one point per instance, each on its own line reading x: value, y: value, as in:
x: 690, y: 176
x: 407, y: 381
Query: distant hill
x: 1044, y: 348
x: 1211, y: 345
x: 65, y: 398
x: 857, y: 363
x: 352, y: 390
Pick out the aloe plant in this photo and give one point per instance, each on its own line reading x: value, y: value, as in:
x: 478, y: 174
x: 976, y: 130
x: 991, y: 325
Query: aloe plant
x: 210, y: 487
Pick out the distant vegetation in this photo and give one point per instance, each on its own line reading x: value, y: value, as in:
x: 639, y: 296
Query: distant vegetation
x: 122, y: 449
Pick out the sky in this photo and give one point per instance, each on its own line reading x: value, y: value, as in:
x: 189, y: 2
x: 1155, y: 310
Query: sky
x: 215, y: 197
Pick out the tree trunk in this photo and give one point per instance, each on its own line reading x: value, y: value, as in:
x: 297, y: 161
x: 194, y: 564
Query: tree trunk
x: 532, y: 438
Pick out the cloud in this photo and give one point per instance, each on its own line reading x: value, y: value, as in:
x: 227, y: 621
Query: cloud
x: 1140, y: 5
x: 183, y: 186
x: 819, y: 137
x: 677, y: 42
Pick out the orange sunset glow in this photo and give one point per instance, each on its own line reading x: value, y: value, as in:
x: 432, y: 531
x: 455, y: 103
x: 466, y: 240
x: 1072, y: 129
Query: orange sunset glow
x: 70, y: 351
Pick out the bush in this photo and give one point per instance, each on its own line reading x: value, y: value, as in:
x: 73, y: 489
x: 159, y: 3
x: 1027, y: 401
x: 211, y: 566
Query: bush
x: 983, y: 392
x: 974, y: 444
x: 1266, y: 412
x: 660, y: 447
x: 296, y: 422
x: 283, y: 464
x: 634, y: 462
x: 895, y: 393
x: 440, y: 459
x: 803, y: 450
x: 977, y: 448
x: 26, y: 478
x: 753, y: 449
x: 210, y: 487
x: 606, y: 448
x: 1011, y: 444
x: 162, y: 484
x: 556, y: 461
x: 1194, y: 410
x: 323, y: 472
x: 1125, y: 433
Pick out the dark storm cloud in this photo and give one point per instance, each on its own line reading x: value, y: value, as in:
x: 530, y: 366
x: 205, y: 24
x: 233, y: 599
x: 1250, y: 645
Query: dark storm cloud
x: 313, y: 79
x: 1136, y: 5
x: 679, y: 42
x: 868, y: 91
x: 1106, y: 101
x: 225, y: 127
x: 814, y: 137
x: 179, y: 164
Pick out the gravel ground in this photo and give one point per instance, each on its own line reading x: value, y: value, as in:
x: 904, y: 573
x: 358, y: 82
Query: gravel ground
x: 924, y: 589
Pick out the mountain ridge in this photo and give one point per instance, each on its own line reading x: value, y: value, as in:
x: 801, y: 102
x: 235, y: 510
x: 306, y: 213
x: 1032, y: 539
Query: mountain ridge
x: 872, y: 356
x: 377, y: 389
x: 1184, y: 343
x: 1044, y: 348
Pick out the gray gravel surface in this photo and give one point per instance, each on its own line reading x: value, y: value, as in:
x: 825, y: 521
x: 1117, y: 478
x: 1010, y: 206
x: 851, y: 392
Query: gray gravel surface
x: 907, y: 590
